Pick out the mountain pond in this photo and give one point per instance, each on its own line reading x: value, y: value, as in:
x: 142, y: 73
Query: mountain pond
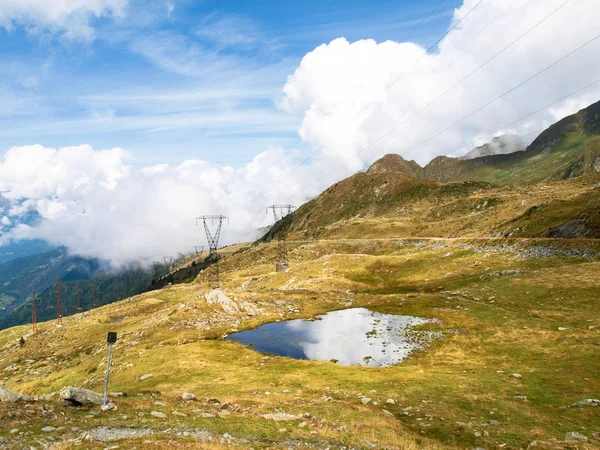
x: 350, y: 337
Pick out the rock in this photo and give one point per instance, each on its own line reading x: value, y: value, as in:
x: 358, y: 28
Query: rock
x: 218, y: 297
x: 81, y: 396
x: 145, y: 377
x: 516, y: 375
x: 520, y: 397
x: 208, y: 415
x: 14, y: 430
x: 188, y: 396
x: 562, y: 328
x: 108, y: 407
x: 586, y: 402
x: 180, y: 414
x: 574, y: 436
x: 390, y: 401
x: 365, y: 400
x: 48, y: 429
x: 281, y: 417
x: 387, y: 413
x: 160, y: 415
x: 302, y: 424
x: 160, y: 403
x: 494, y: 422
x: 8, y: 396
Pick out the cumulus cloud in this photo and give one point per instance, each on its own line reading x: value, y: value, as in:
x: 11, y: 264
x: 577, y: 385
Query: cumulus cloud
x: 347, y: 98
x: 102, y: 203
x: 70, y: 18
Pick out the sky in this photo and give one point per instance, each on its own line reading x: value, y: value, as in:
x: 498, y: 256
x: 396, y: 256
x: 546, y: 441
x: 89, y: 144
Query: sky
x: 121, y: 121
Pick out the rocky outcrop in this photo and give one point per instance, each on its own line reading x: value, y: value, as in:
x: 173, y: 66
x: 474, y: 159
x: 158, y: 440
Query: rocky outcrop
x: 80, y: 396
x: 217, y: 297
x: 8, y: 396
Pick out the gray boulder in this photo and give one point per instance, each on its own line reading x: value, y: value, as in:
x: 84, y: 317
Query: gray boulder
x: 8, y: 396
x: 81, y: 396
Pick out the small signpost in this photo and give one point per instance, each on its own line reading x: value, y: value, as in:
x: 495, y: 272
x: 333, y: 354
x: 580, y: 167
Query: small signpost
x: 110, y: 339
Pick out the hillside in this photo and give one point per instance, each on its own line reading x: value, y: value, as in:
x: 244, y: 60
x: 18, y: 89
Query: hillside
x: 39, y: 273
x: 567, y: 149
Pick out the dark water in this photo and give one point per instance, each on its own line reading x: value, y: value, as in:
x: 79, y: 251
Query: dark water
x: 355, y: 336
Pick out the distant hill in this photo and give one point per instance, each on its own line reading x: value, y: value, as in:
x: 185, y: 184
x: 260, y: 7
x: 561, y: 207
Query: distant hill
x: 39, y: 273
x: 569, y: 148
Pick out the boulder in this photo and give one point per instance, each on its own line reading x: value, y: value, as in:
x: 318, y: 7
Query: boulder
x: 8, y: 396
x: 80, y: 396
x: 281, y: 417
x: 188, y: 396
x: 574, y: 436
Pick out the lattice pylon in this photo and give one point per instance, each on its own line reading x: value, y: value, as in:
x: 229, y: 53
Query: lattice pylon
x: 212, y: 237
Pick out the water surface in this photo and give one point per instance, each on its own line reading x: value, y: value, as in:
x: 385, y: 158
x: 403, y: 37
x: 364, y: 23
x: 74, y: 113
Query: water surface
x: 356, y: 336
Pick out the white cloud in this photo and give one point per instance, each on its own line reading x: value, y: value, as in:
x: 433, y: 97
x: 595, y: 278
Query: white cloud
x: 98, y: 204
x: 335, y: 82
x: 70, y: 18
x: 101, y: 203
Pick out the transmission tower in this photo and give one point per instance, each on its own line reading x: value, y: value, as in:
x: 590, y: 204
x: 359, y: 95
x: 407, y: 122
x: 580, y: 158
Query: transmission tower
x: 201, y: 247
x: 93, y: 293
x: 33, y: 313
x: 212, y: 238
x: 58, y: 303
x: 280, y: 211
x: 78, y: 305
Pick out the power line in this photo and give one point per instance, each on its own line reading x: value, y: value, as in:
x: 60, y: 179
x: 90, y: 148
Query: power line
x: 309, y: 157
x: 422, y: 21
x: 506, y: 93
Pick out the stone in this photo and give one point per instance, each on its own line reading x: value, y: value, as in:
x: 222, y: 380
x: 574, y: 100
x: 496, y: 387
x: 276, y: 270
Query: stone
x: 574, y: 436
x: 516, y: 375
x: 208, y: 415
x: 302, y: 424
x: 48, y: 429
x: 145, y: 377
x: 80, y: 396
x: 586, y: 402
x: 520, y: 397
x: 494, y: 422
x: 390, y: 401
x: 14, y: 430
x: 562, y: 328
x: 179, y: 414
x: 365, y: 400
x: 157, y: 403
x: 281, y: 417
x: 188, y: 396
x: 8, y: 396
x: 158, y: 414
x: 108, y: 406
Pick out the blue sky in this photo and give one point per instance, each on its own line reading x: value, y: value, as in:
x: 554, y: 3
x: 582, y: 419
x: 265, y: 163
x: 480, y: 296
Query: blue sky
x: 183, y: 79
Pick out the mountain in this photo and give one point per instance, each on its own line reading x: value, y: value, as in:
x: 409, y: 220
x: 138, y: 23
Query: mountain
x: 21, y: 276
x: 500, y: 145
x: 569, y: 148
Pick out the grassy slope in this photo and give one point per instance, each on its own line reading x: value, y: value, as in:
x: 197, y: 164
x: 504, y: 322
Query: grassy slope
x: 390, y: 205
x: 568, y: 148
x: 495, y: 325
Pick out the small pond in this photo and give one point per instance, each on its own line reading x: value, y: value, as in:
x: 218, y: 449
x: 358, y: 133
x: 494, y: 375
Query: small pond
x: 351, y: 337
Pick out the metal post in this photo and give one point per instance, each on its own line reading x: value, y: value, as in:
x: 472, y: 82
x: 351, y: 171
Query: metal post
x: 107, y: 375
x: 111, y: 339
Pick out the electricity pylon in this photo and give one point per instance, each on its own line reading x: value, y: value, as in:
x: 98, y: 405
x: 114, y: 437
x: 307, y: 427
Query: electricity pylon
x: 33, y: 313
x: 168, y: 260
x: 212, y: 238
x: 58, y: 303
x: 93, y: 293
x: 201, y: 247
x: 280, y: 211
